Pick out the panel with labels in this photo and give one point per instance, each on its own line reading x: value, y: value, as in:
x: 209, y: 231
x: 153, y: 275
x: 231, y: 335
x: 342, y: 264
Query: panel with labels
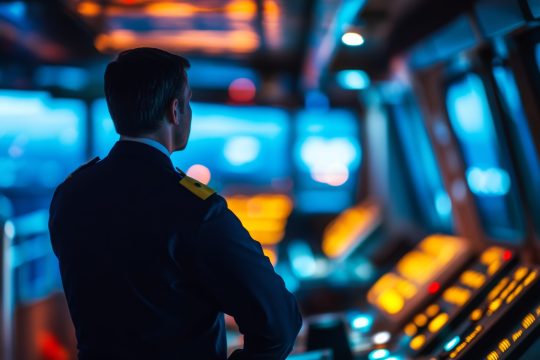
x: 460, y: 296
x: 508, y: 293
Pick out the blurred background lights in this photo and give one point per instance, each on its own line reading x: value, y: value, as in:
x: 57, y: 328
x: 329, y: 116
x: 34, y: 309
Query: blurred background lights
x: 200, y: 172
x: 302, y: 261
x: 242, y: 90
x: 352, y: 39
x: 488, y: 182
x: 353, y: 79
x: 378, y: 354
x: 14, y: 10
x: 443, y: 205
x: 9, y: 229
x: 361, y: 322
x: 328, y: 159
x: 381, y: 337
x: 240, y: 150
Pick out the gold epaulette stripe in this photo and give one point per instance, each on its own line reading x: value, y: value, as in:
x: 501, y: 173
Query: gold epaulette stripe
x: 196, y: 187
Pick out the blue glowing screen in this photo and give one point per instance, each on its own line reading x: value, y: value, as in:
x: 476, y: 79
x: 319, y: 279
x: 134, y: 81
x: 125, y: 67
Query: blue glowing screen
x: 41, y: 139
x: 487, y: 170
x: 236, y: 145
x: 529, y: 163
x: 433, y: 199
x: 327, y: 155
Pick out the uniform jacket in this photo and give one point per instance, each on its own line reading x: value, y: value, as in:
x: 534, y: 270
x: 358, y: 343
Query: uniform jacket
x: 150, y: 264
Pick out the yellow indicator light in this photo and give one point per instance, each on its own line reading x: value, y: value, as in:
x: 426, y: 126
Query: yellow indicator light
x: 528, y: 320
x: 417, y: 342
x: 456, y: 295
x: 504, y: 345
x: 497, y: 289
x: 417, y: 265
x: 476, y: 315
x: 538, y: 311
x: 473, y: 279
x: 391, y: 301
x: 520, y: 273
x: 410, y: 329
x: 420, y: 320
x: 530, y: 278
x: 515, y: 293
x: 437, y: 323
x: 492, y: 356
x: 432, y: 310
x: 170, y: 9
x: 494, y: 305
x: 491, y: 254
x: 517, y: 335
x: 493, y: 267
x: 508, y: 289
x: 342, y: 233
x: 406, y: 288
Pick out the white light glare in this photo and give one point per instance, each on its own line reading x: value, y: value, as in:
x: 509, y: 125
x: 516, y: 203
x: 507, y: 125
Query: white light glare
x: 378, y: 354
x: 352, y: 39
x: 381, y: 337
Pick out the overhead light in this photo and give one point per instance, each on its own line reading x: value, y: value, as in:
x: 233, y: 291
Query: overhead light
x: 352, y: 39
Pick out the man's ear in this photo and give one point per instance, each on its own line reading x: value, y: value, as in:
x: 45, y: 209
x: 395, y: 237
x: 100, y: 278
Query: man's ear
x: 173, y: 114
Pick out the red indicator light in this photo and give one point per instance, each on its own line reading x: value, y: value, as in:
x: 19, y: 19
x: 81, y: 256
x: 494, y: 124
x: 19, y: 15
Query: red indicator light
x: 507, y: 255
x: 434, y: 287
x: 242, y: 90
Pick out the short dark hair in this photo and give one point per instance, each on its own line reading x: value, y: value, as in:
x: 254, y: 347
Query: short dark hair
x: 139, y: 85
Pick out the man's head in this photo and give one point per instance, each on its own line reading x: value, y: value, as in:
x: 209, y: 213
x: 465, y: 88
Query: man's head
x: 148, y: 93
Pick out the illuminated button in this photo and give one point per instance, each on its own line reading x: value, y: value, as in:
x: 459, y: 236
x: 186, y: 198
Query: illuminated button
x: 520, y: 273
x: 497, y: 289
x: 515, y: 293
x: 437, y: 323
x: 410, y: 329
x: 528, y: 321
x: 490, y: 255
x: 494, y: 305
x: 452, y: 343
x: 473, y: 279
x: 517, y: 335
x: 456, y: 295
x: 378, y: 354
x: 434, y: 287
x: 530, y: 278
x: 381, y: 337
x: 476, y: 314
x: 508, y: 289
x: 391, y: 301
x: 432, y: 310
x: 504, y: 345
x: 406, y: 288
x: 417, y: 342
x: 492, y: 356
x: 493, y: 267
x: 420, y: 320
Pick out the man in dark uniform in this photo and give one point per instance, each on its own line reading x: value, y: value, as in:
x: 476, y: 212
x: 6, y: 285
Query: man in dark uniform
x: 150, y: 258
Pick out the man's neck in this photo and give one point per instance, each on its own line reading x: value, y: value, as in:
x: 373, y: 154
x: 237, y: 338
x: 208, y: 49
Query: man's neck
x: 148, y: 140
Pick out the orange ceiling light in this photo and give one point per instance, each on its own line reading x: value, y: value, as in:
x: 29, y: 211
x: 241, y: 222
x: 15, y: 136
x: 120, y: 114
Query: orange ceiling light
x: 206, y: 41
x: 89, y: 9
x: 241, y: 10
x: 272, y: 23
x: 170, y: 9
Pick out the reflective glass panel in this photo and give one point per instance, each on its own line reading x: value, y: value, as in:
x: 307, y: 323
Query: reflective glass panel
x: 528, y: 162
x: 434, y: 201
x: 487, y: 170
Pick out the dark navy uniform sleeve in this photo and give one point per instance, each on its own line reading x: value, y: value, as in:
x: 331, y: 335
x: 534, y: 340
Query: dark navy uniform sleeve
x: 239, y: 277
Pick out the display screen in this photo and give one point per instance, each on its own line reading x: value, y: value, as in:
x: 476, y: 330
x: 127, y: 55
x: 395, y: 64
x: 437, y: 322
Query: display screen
x: 418, y: 274
x: 434, y: 201
x: 41, y: 139
x: 327, y: 155
x: 228, y: 146
x: 488, y: 173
